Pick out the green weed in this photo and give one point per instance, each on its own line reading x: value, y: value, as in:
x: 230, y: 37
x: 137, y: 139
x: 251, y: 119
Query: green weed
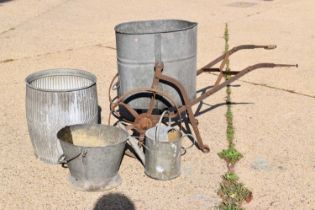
x: 230, y: 155
x: 232, y: 192
x: 230, y: 176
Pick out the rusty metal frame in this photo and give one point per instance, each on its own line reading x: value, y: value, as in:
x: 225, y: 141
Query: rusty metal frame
x: 144, y: 121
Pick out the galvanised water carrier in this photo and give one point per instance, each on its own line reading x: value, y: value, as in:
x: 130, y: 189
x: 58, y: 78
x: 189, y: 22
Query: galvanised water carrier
x: 142, y: 44
x: 56, y: 98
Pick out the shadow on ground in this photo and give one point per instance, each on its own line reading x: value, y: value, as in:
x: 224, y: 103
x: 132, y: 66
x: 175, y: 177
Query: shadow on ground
x: 4, y: 1
x: 199, y: 111
x: 114, y: 201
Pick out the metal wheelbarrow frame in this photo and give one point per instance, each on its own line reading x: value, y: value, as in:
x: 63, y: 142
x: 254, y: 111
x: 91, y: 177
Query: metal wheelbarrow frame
x: 142, y: 121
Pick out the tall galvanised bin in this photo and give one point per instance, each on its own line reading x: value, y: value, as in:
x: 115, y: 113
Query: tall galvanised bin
x: 141, y: 44
x: 56, y: 98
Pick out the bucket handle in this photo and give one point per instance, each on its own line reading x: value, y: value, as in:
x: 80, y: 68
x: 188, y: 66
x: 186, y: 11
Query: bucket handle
x: 62, y: 159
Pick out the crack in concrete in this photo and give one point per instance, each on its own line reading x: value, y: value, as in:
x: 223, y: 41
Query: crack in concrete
x: 274, y: 88
x: 259, y: 12
x: 33, y: 17
x: 278, y: 88
x: 7, y: 60
x: 103, y: 45
x: 5, y: 31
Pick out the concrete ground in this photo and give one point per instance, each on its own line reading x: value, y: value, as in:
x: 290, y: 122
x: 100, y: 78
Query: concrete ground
x: 275, y: 130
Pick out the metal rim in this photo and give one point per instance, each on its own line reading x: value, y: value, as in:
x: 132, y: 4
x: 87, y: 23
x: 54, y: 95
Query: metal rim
x: 83, y: 126
x: 118, y: 28
x: 60, y: 72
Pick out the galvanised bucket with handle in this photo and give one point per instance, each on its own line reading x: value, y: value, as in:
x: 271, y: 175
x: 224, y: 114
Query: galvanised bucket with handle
x: 56, y: 98
x: 93, y: 154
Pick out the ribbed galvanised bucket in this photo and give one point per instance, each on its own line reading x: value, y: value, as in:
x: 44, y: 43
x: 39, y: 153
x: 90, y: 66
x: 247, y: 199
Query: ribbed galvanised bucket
x: 143, y: 43
x: 56, y: 98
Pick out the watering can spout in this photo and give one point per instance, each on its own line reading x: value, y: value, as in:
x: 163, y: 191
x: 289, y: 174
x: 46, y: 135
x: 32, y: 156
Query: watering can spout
x: 134, y: 144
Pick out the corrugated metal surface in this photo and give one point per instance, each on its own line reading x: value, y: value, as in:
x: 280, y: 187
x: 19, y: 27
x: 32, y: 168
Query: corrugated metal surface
x: 54, y: 99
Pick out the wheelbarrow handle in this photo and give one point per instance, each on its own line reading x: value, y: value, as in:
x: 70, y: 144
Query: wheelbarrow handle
x: 234, y: 50
x: 237, y: 76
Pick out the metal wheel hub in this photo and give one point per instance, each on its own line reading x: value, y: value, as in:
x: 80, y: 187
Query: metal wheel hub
x: 144, y: 121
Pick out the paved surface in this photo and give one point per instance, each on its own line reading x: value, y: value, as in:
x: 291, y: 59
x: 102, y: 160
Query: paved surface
x: 275, y: 131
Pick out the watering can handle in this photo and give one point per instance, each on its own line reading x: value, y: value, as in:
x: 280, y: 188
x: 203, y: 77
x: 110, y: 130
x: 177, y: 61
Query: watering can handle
x: 157, y: 129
